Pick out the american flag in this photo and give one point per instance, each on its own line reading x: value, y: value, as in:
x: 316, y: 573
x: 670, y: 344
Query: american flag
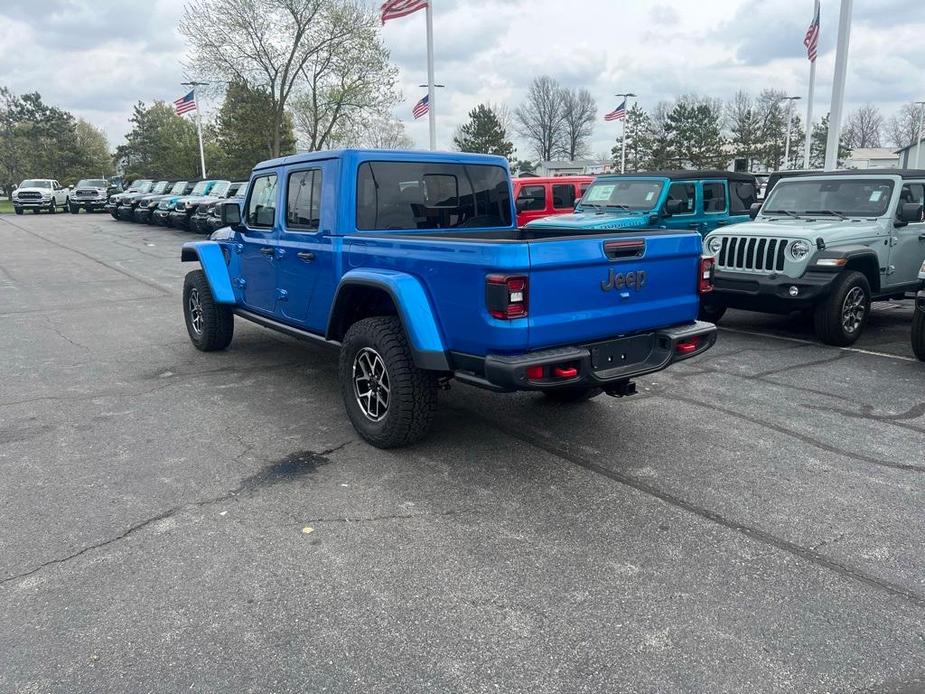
x: 619, y: 113
x: 811, y: 41
x: 393, y: 9
x: 185, y: 104
x: 421, y: 107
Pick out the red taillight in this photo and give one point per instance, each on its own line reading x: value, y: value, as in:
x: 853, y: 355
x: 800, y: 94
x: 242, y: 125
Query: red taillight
x: 687, y: 346
x: 535, y: 373
x: 506, y: 296
x: 564, y: 372
x: 705, y: 279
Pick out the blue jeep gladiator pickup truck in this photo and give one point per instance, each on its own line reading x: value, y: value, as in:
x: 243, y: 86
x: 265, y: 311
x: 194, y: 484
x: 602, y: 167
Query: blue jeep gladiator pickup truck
x: 412, y: 264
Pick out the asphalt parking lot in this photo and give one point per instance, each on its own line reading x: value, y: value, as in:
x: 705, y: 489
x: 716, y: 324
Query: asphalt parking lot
x: 172, y: 520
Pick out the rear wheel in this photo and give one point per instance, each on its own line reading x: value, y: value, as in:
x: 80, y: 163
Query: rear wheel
x: 711, y: 313
x: 210, y: 325
x: 840, y: 318
x: 389, y: 400
x: 572, y: 394
x: 918, y: 332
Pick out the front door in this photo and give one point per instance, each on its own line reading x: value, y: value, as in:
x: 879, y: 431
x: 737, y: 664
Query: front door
x: 259, y: 240
x: 686, y: 193
x: 532, y: 203
x: 907, y: 246
x: 305, y: 259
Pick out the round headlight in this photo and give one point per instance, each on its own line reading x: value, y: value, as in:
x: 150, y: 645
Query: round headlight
x: 799, y: 250
x: 714, y: 244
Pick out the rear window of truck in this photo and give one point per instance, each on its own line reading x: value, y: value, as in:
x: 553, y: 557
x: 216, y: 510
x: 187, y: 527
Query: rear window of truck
x: 421, y: 195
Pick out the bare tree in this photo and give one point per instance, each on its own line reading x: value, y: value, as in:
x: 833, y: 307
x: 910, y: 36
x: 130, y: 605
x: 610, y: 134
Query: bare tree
x: 264, y: 43
x: 540, y: 120
x: 347, y: 83
x: 902, y: 129
x: 378, y: 131
x: 863, y: 127
x: 579, y: 112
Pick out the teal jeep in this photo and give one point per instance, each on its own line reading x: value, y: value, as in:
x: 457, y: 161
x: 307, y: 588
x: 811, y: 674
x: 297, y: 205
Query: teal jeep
x: 827, y: 244
x: 700, y: 200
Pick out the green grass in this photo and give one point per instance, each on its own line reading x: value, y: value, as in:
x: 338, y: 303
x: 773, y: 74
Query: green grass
x: 6, y: 207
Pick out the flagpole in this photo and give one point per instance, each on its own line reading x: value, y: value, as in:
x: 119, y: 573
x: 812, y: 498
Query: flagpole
x: 838, y: 85
x: 202, y: 152
x: 626, y: 115
x: 807, y: 145
x: 431, y: 106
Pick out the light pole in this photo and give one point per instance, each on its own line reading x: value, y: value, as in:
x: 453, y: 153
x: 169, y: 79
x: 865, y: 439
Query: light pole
x: 918, y: 146
x: 838, y: 86
x: 789, y: 100
x: 626, y: 98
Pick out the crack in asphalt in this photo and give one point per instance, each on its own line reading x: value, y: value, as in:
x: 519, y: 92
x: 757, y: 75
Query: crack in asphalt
x: 268, y: 474
x: 394, y: 516
x: 536, y: 440
x: 867, y: 412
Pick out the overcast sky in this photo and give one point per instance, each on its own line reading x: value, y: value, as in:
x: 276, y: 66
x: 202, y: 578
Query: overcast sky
x: 96, y: 58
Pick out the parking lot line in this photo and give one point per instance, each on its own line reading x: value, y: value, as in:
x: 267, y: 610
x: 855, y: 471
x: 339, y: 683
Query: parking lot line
x: 858, y: 350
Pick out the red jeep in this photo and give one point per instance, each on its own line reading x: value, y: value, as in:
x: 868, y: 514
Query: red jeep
x: 542, y: 197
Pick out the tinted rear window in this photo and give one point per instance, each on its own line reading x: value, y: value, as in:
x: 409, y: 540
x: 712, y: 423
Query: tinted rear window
x: 420, y: 195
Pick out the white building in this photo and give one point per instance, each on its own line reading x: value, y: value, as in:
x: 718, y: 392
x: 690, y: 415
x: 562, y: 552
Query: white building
x: 872, y: 158
x: 909, y: 155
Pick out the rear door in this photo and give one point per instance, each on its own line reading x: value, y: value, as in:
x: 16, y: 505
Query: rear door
x: 715, y: 205
x: 305, y: 260
x: 594, y: 288
x: 907, y: 249
x: 259, y: 240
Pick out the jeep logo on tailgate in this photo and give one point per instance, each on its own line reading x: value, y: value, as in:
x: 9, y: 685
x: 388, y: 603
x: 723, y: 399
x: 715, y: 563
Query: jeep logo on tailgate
x: 618, y: 280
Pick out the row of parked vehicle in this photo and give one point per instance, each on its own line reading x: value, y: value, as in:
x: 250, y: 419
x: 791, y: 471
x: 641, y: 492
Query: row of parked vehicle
x: 189, y: 205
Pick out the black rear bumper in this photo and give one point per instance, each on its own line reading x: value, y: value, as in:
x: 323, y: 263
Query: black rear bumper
x: 769, y: 293
x: 602, y: 364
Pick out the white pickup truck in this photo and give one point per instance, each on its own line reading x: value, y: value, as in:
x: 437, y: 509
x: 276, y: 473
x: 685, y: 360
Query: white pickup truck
x: 40, y: 194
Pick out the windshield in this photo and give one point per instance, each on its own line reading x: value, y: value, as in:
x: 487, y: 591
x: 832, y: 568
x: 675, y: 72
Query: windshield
x: 178, y: 188
x: 92, y: 183
x: 200, y: 188
x: 850, y: 197
x: 639, y: 194
x: 35, y: 183
x: 237, y: 190
x: 160, y: 187
x: 220, y: 189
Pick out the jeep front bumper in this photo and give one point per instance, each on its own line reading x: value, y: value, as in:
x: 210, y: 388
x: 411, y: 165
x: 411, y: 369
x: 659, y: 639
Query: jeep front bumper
x: 769, y: 293
x: 178, y: 218
x: 600, y: 364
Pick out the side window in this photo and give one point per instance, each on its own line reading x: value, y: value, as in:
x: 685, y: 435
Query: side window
x: 685, y: 193
x: 261, y: 206
x: 534, y: 198
x: 563, y: 196
x: 912, y: 192
x: 743, y: 197
x: 714, y: 198
x: 303, y: 200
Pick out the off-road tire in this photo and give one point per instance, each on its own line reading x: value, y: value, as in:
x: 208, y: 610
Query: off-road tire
x: 828, y: 319
x: 412, y: 398
x: 572, y: 394
x: 918, y: 333
x: 216, y: 324
x: 711, y: 313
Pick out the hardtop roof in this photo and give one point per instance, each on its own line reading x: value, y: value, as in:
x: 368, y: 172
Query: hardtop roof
x: 360, y: 155
x: 687, y: 175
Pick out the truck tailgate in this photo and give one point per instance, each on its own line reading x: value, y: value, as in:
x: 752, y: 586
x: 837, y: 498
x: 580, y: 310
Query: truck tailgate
x: 592, y: 288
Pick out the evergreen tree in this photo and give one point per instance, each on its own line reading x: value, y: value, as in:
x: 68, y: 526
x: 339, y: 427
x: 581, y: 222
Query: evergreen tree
x: 693, y: 129
x: 640, y: 141
x: 484, y: 133
x: 241, y: 133
x: 819, y: 141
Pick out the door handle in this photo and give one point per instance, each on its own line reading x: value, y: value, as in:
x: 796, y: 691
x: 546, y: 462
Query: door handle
x: 267, y: 251
x: 307, y: 256
x: 693, y: 225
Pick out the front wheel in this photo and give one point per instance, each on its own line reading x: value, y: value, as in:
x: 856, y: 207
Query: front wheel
x: 572, y: 394
x: 52, y: 207
x: 389, y: 400
x: 840, y: 318
x: 210, y: 325
x: 918, y: 333
x: 18, y: 210
x: 74, y: 209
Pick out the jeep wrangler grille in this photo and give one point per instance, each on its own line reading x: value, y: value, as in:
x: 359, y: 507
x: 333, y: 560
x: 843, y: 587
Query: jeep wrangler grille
x: 751, y: 253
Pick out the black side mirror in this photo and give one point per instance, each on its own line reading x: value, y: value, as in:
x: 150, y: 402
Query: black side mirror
x: 231, y: 215
x: 754, y: 209
x: 674, y: 207
x: 910, y: 212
